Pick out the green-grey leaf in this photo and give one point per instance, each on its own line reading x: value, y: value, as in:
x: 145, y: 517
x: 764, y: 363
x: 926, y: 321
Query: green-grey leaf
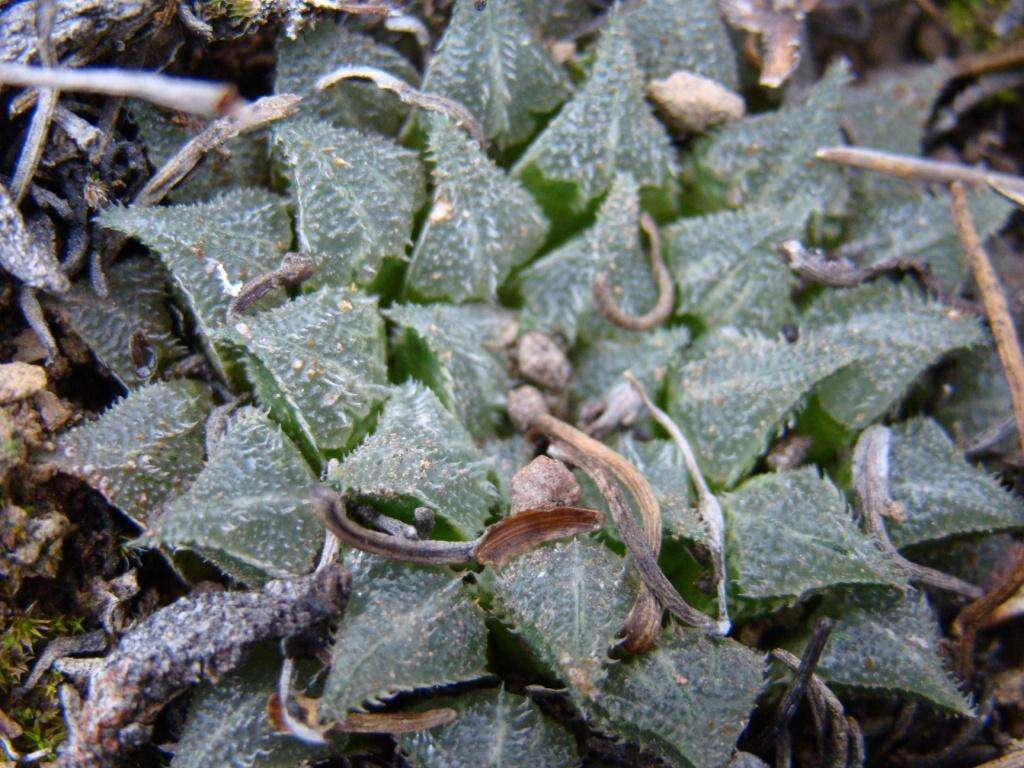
x: 239, y: 162
x: 137, y: 303
x: 599, y: 366
x: 489, y: 61
x: 419, y: 449
x: 556, y: 18
x: 507, y: 456
x: 980, y: 396
x: 890, y: 112
x: 211, y: 248
x: 891, y: 333
x: 330, y: 46
x: 728, y: 268
x: 918, y: 228
x: 322, y: 355
x: 406, y: 627
x: 248, y: 511
x: 557, y: 287
x: 464, y: 366
x: 567, y: 601
x: 669, y: 35
x: 734, y: 392
x: 587, y: 153
x: 355, y: 197
x: 227, y: 724
x: 941, y: 494
x: 482, y: 223
x: 791, y: 534
x: 887, y: 642
x: 687, y: 700
x: 144, y: 449
x: 769, y: 158
x: 494, y: 729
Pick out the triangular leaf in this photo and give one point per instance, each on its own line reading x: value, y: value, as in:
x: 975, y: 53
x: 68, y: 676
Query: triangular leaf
x: 688, y: 700
x: 979, y: 397
x: 406, y: 627
x: 940, y: 493
x: 494, y: 729
x: 227, y: 724
x: 145, y: 449
x: 248, y: 511
x: 890, y: 643
x: 482, y: 223
x: 599, y: 366
x: 211, y: 248
x: 791, y: 534
x: 489, y: 61
x: 918, y: 229
x: 672, y: 35
x: 507, y: 455
x: 557, y: 287
x: 329, y: 46
x: 463, y: 364
x: 556, y: 18
x: 728, y: 268
x: 891, y: 333
x: 734, y: 391
x: 239, y: 162
x: 769, y: 158
x: 137, y: 303
x: 355, y: 197
x: 567, y: 601
x: 578, y: 150
x: 319, y: 361
x: 421, y: 450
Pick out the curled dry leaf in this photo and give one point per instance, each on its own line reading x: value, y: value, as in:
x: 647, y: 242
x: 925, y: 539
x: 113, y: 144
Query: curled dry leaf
x: 306, y: 710
x: 778, y: 23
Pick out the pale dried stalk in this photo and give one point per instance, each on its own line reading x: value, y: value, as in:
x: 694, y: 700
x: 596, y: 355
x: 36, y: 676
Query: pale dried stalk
x: 250, y: 117
x: 434, y: 102
x: 198, y: 97
x: 707, y: 503
x: 994, y: 301
x: 871, y: 485
x: 613, y: 313
x: 916, y: 168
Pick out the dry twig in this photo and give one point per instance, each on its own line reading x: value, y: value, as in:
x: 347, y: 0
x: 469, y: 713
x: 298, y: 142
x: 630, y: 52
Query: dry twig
x: 434, y: 102
x: 198, y: 97
x: 994, y: 301
x: 916, y: 168
x: 662, y: 308
x: 974, y: 615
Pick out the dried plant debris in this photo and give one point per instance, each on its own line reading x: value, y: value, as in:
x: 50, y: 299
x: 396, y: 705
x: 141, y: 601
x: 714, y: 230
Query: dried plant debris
x: 596, y: 386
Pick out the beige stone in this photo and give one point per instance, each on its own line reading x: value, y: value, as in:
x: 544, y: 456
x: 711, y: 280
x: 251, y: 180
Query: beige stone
x: 692, y: 103
x: 20, y: 380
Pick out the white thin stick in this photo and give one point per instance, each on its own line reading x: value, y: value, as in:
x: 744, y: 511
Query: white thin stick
x: 296, y: 728
x: 332, y: 545
x: 707, y: 504
x: 200, y: 97
x: 916, y: 168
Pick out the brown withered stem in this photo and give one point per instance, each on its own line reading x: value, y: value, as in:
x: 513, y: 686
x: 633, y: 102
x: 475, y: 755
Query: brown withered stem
x: 871, y: 485
x: 974, y: 615
x: 602, y: 464
x: 994, y: 300
x: 829, y: 717
x: 965, y: 734
x: 613, y: 313
x: 916, y: 168
x: 707, y: 503
x: 434, y: 102
x: 500, y: 542
x: 249, y: 117
x: 295, y: 268
x: 801, y: 680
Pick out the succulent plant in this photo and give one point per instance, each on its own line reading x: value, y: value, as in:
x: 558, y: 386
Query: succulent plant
x: 385, y: 377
